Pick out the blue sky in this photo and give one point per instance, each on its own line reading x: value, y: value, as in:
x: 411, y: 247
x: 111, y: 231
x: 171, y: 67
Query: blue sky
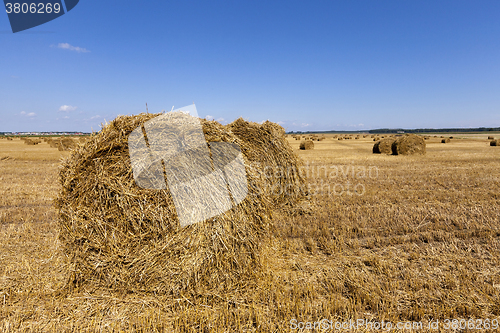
x: 309, y: 65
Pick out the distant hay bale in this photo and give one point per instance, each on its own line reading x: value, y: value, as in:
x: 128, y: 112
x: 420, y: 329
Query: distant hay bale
x: 495, y: 143
x: 63, y: 143
x: 120, y: 236
x: 31, y: 142
x: 445, y: 140
x: 410, y: 144
x: 491, y: 138
x: 341, y: 138
x: 383, y: 146
x: 9, y: 138
x: 306, y: 145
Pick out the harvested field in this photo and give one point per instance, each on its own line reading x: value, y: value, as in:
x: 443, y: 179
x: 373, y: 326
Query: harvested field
x: 419, y: 241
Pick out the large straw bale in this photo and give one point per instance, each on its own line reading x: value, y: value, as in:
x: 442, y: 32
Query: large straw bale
x: 127, y: 238
x: 495, y: 143
x: 383, y: 146
x: 409, y: 144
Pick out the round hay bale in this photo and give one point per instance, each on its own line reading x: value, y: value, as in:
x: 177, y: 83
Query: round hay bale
x: 127, y: 238
x: 495, y: 143
x: 306, y: 145
x: 446, y: 140
x: 491, y: 138
x: 383, y: 146
x: 273, y: 159
x: 409, y: 144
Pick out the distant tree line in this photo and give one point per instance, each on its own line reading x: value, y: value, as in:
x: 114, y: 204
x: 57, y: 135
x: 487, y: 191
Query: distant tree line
x: 434, y: 130
x: 402, y: 130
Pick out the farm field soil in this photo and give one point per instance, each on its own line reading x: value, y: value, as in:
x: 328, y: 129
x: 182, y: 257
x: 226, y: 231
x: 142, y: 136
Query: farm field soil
x: 387, y: 238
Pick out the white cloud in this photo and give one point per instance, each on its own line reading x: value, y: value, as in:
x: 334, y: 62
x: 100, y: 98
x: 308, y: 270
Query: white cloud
x: 95, y: 117
x: 67, y: 108
x: 220, y: 120
x: 305, y: 125
x: 30, y: 114
x: 209, y: 117
x: 280, y: 122
x: 67, y: 46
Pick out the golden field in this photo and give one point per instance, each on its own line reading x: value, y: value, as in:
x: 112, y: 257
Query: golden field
x: 384, y: 238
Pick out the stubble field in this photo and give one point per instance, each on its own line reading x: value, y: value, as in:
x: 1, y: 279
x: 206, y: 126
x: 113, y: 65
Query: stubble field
x: 383, y: 238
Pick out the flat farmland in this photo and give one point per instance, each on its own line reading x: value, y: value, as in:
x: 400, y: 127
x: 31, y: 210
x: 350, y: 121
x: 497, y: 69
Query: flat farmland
x: 381, y: 238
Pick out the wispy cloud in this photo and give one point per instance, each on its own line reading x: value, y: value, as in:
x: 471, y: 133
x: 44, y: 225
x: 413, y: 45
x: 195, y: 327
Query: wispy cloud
x: 30, y: 114
x: 209, y: 117
x: 220, y: 120
x: 70, y: 47
x: 95, y: 117
x: 280, y: 122
x: 305, y: 125
x: 67, y: 108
